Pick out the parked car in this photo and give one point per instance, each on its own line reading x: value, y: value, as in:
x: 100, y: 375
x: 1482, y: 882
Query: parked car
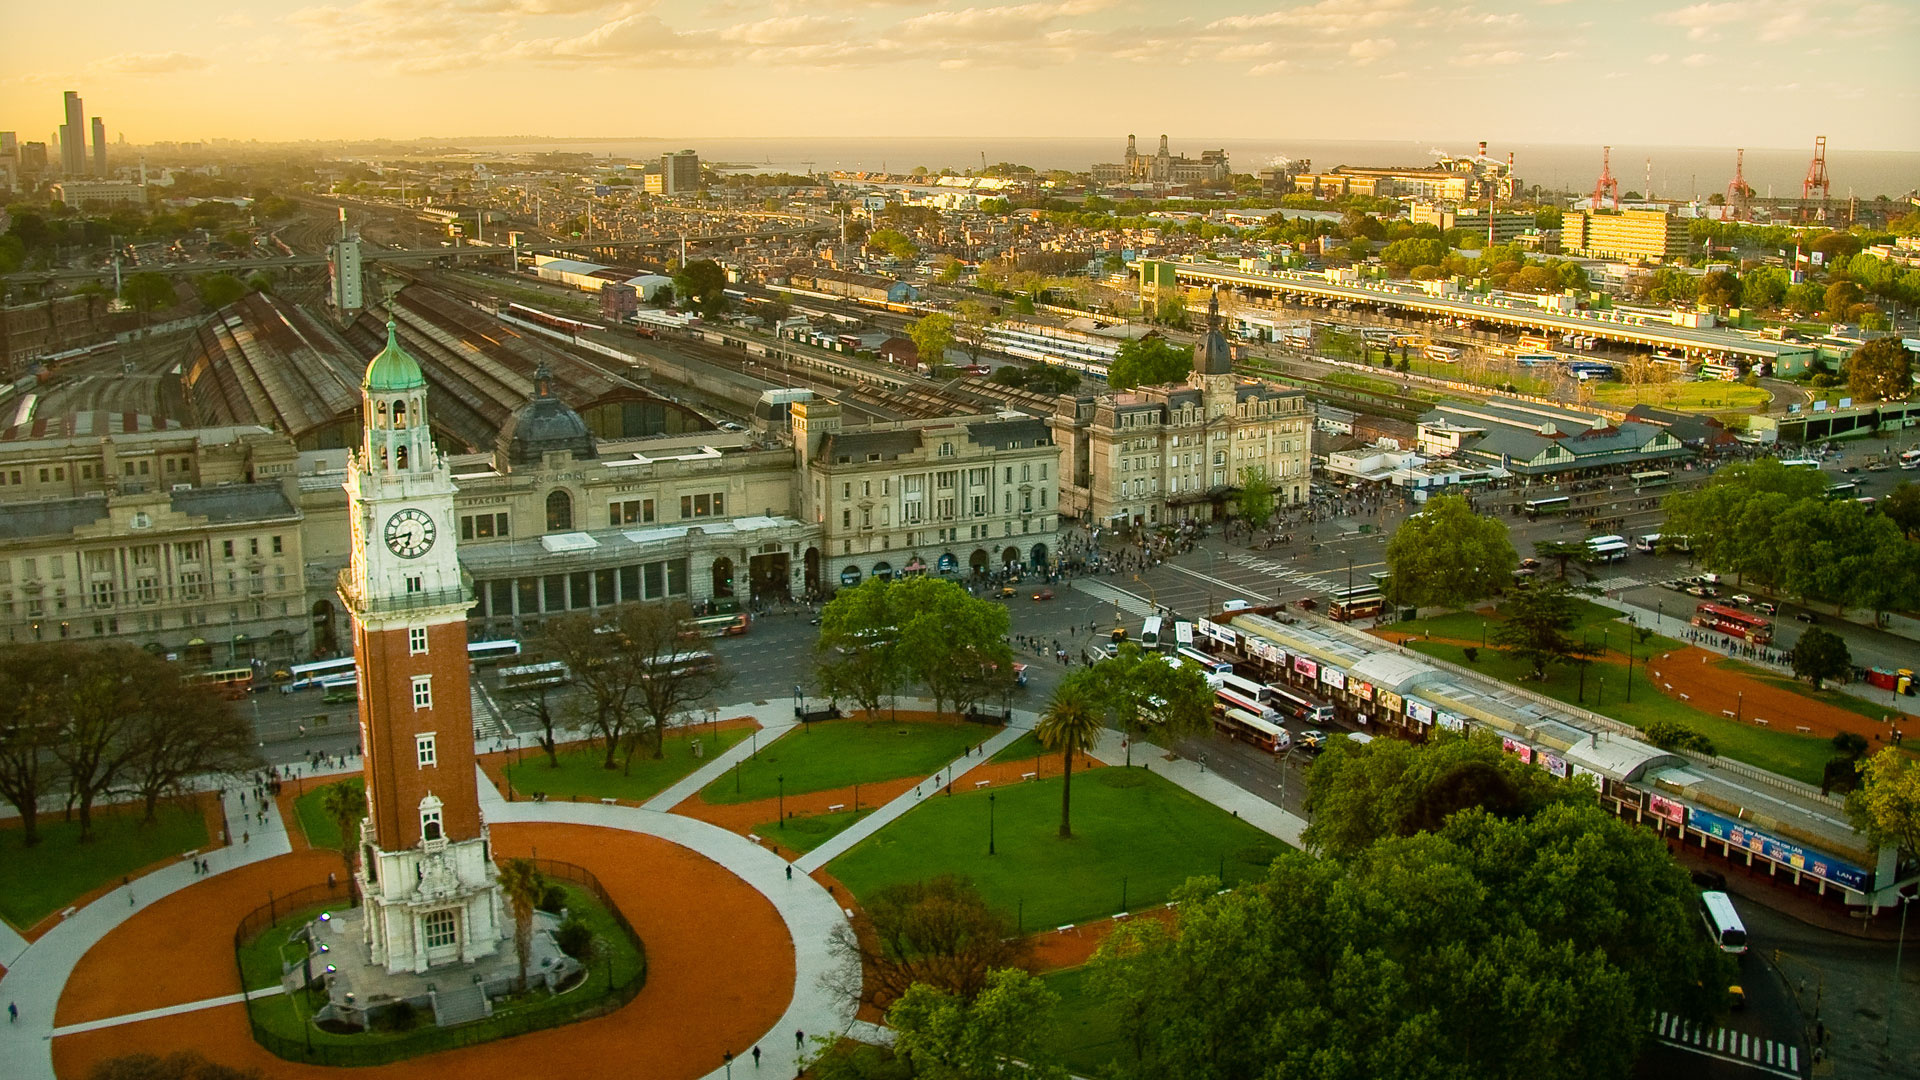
x: 1043, y: 594
x: 1710, y: 879
x: 1705, y: 592
x: 1765, y: 608
x: 1805, y: 617
x: 1313, y: 741
x: 1235, y: 605
x: 1741, y: 598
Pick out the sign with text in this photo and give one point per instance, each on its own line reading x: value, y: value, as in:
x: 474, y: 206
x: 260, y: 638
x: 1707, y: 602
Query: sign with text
x: 1740, y: 835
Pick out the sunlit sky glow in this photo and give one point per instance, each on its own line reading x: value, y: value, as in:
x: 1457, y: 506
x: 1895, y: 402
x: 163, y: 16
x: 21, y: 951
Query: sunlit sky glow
x: 1720, y: 72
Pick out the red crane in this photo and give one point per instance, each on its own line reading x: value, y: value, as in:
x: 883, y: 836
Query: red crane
x: 1816, y: 178
x: 1739, y: 195
x: 1606, y: 185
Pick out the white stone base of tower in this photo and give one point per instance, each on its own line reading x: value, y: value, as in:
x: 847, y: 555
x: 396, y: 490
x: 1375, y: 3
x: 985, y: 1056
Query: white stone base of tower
x: 438, y: 903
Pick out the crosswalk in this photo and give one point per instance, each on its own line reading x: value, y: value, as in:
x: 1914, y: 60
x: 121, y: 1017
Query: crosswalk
x: 1120, y: 598
x: 1283, y: 571
x: 1769, y: 1055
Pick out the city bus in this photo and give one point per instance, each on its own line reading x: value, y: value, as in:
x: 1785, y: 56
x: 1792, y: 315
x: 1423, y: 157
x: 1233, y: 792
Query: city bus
x: 1910, y: 459
x: 681, y: 661
x: 483, y: 653
x: 1734, y: 623
x: 231, y: 682
x: 1208, y: 665
x: 1248, y: 728
x: 1800, y: 463
x: 1235, y: 692
x: 1150, y: 633
x: 306, y: 676
x: 712, y: 626
x: 1846, y: 489
x: 1358, y: 602
x: 1607, y: 549
x: 1535, y: 342
x: 1297, y: 705
x: 535, y: 676
x: 1559, y: 504
x: 340, y: 689
x: 1716, y: 908
x: 1442, y: 354
x: 1651, y: 478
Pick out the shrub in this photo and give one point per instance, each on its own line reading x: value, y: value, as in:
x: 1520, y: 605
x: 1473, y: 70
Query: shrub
x: 575, y: 938
x: 553, y: 898
x: 400, y: 1016
x: 1671, y: 736
x: 1471, y: 652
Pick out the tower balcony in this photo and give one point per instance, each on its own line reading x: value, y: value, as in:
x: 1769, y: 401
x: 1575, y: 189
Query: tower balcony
x: 357, y: 600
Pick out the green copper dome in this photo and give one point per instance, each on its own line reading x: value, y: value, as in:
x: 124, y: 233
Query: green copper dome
x: 393, y: 369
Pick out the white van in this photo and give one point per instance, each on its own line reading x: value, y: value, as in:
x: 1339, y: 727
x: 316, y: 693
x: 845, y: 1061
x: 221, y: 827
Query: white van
x: 1236, y: 605
x: 1360, y: 737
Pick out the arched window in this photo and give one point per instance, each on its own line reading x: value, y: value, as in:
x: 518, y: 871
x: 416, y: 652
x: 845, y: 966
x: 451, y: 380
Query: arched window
x: 559, y: 511
x: 430, y: 828
x: 400, y: 457
x: 400, y: 414
x: 380, y: 414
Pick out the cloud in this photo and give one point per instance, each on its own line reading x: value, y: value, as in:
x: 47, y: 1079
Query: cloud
x: 167, y: 63
x: 1367, y: 50
x: 1697, y: 60
x: 1657, y: 58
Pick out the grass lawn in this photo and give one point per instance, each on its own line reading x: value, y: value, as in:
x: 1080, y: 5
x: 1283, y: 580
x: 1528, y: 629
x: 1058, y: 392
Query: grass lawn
x: 321, y: 831
x: 1127, y: 824
x: 261, y: 958
x: 580, y: 772
x: 803, y: 834
x: 1700, y: 396
x: 1022, y: 748
x: 1086, y: 1035
x: 1603, y: 624
x: 45, y: 878
x: 286, y: 1018
x: 840, y: 753
x: 1802, y: 757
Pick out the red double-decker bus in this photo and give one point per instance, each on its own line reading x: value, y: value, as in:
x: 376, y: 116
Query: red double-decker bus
x: 1734, y: 623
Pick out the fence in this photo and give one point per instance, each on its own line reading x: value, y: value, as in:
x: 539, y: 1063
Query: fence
x: 429, y: 1040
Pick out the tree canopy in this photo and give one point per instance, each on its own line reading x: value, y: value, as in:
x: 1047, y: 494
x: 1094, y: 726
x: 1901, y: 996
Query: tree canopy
x: 932, y: 336
x: 882, y: 636
x: 1148, y: 361
x: 1539, y: 615
x: 1886, y: 805
x: 1820, y: 655
x: 1881, y: 370
x: 1254, y: 501
x: 1447, y: 555
x: 702, y: 283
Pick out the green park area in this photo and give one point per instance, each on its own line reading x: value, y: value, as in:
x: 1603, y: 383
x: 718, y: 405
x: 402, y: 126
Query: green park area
x: 1135, y: 838
x: 1710, y: 395
x: 582, y: 771
x: 1602, y: 625
x: 803, y: 834
x: 1830, y: 696
x: 322, y: 832
x: 834, y: 754
x: 1023, y: 748
x: 283, y: 1023
x: 45, y: 878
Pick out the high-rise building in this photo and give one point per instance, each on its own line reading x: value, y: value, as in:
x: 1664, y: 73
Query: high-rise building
x: 680, y: 173
x: 99, y: 146
x: 1646, y: 235
x: 33, y: 158
x: 432, y: 891
x: 9, y: 146
x: 73, y: 137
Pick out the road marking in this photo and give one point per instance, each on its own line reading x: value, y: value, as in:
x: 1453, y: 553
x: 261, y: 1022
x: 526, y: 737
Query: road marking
x: 1228, y: 585
x: 1121, y: 598
x: 1736, y: 1047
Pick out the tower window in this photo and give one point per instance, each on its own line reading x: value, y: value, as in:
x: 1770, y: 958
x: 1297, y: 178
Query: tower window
x: 423, y: 691
x: 416, y: 640
x: 440, y: 928
x: 559, y: 511
x: 430, y: 819
x: 399, y: 414
x: 415, y: 583
x: 423, y: 750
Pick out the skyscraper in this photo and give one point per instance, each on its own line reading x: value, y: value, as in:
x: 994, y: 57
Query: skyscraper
x: 73, y: 137
x: 680, y: 173
x: 99, y: 147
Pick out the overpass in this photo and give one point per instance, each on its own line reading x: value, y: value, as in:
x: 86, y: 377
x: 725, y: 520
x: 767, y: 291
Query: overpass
x: 1511, y: 314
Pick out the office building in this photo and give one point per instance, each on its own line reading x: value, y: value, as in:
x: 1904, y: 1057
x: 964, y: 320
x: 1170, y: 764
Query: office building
x: 9, y: 146
x: 99, y: 194
x: 1641, y: 235
x: 680, y: 173
x: 33, y: 158
x: 73, y: 137
x: 1161, y: 454
x: 1508, y: 227
x: 100, y: 147
x: 949, y: 495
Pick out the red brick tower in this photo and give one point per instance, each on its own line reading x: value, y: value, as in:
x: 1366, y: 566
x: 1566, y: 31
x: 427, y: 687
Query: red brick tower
x: 425, y: 869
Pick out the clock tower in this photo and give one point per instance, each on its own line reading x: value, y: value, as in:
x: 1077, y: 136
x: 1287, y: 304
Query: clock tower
x: 431, y: 889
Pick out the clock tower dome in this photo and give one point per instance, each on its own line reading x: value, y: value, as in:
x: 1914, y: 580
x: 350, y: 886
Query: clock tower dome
x: 431, y: 889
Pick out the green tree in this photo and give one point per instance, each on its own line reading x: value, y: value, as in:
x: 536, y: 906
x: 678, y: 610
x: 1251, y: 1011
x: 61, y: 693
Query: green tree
x: 1881, y: 370
x: 1539, y: 616
x: 148, y: 291
x: 1805, y: 297
x: 893, y: 242
x: 1071, y: 725
x: 1142, y: 694
x: 858, y: 653
x: 345, y: 804
x: 1764, y: 288
x: 218, y: 290
x: 1673, y: 736
x: 523, y: 884
x: 1902, y: 507
x: 1720, y: 289
x: 702, y: 283
x: 933, y: 335
x: 972, y: 321
x: 1563, y: 553
x: 1148, y: 361
x: 953, y: 643
x: 1448, y: 556
x: 938, y: 933
x: 1820, y: 655
x: 1254, y: 501
x: 1886, y: 805
x: 947, y: 1037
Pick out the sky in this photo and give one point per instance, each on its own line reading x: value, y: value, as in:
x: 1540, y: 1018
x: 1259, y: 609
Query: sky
x: 1714, y: 73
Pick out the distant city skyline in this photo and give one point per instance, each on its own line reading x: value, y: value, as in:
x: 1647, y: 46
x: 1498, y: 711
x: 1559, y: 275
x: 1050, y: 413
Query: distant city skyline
x: 1720, y: 72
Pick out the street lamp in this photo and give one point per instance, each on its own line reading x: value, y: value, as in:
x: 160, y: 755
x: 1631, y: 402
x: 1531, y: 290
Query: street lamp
x: 990, y: 822
x: 782, y: 781
x: 1900, y: 944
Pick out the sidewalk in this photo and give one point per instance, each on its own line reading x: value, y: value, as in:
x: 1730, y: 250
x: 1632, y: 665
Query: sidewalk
x: 774, y: 719
x: 1211, y: 786
x: 38, y: 976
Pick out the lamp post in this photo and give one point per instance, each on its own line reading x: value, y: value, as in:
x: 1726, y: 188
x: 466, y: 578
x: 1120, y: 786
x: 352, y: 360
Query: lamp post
x: 1629, y: 667
x: 990, y: 822
x: 1739, y: 699
x: 1900, y: 944
x: 782, y: 781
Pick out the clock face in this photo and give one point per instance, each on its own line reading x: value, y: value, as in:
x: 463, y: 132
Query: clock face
x: 410, y: 533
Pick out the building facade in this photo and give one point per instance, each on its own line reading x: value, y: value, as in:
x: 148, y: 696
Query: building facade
x: 431, y: 889
x: 680, y: 173
x: 98, y: 194
x: 1641, y: 235
x: 967, y: 495
x: 73, y: 136
x: 1163, y: 454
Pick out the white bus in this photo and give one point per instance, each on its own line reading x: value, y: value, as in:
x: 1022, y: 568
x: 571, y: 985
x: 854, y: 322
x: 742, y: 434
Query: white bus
x: 1245, y: 726
x: 1150, y: 633
x: 308, y: 676
x: 1208, y: 665
x: 492, y: 652
x: 1723, y: 922
x: 535, y: 676
x: 1234, y: 692
x: 1443, y: 354
x: 1800, y: 463
x: 1298, y: 705
x: 1910, y: 459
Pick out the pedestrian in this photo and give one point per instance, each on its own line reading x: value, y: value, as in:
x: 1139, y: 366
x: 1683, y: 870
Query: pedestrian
x: 789, y: 871
x: 799, y: 1041
x: 756, y: 1057
x: 330, y: 879
x: 13, y: 1017
x: 246, y: 838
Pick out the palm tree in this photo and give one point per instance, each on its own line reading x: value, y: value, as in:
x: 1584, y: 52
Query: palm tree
x: 524, y: 885
x: 346, y: 804
x: 1071, y: 723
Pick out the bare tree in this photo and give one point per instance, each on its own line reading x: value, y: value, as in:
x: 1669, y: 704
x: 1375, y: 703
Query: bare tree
x: 28, y: 729
x: 676, y: 675
x: 538, y: 705
x: 100, y: 702
x: 184, y: 731
x: 586, y: 645
x: 938, y: 932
